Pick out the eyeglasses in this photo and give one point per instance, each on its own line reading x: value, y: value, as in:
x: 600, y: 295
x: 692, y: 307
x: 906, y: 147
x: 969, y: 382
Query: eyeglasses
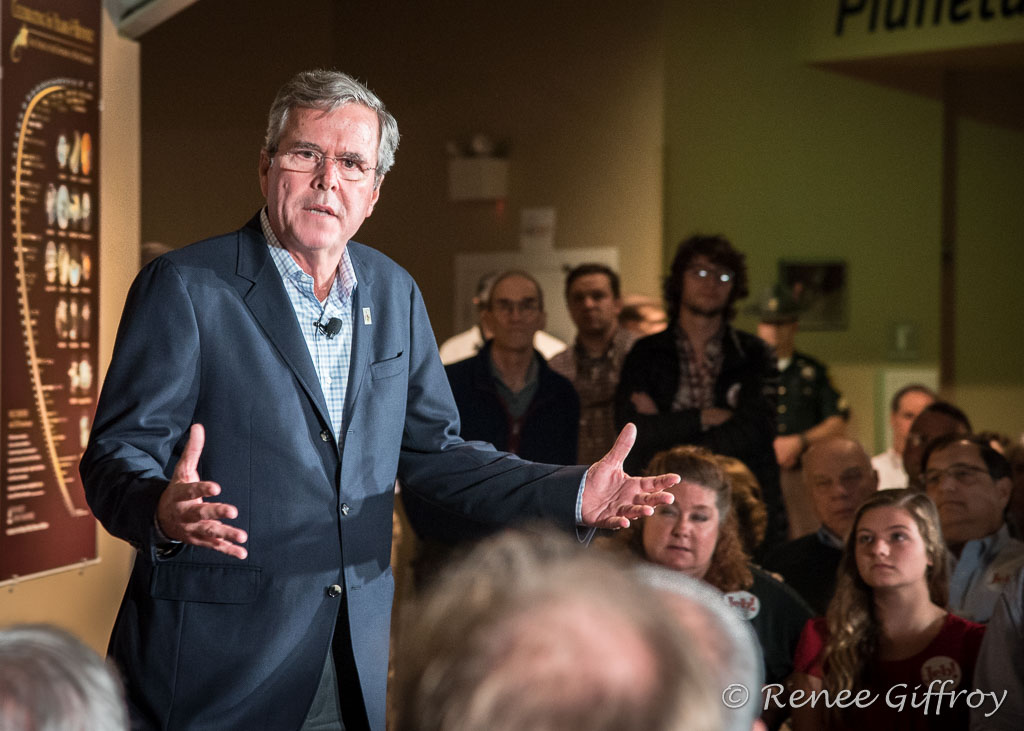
x: 305, y: 160
x: 963, y: 474
x: 721, y: 276
x: 524, y: 307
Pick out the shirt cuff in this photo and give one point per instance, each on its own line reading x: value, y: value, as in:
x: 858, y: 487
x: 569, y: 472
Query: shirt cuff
x: 584, y: 534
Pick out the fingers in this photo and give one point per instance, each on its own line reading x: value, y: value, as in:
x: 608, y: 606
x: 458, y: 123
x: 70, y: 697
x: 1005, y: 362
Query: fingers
x: 219, y: 537
x: 187, y: 469
x: 623, y: 443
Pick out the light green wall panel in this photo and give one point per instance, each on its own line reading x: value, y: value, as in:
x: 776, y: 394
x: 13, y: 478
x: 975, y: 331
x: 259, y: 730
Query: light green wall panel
x: 792, y: 161
x: 990, y: 254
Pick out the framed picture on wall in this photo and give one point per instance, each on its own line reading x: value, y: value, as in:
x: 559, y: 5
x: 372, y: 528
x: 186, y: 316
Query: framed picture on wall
x: 820, y: 288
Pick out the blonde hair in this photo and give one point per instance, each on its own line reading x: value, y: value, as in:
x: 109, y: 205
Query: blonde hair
x: 852, y: 625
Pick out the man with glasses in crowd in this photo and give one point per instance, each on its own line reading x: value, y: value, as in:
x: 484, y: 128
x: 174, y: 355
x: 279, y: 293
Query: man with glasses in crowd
x: 969, y: 482
x: 838, y: 477
x: 937, y: 419
x: 701, y: 381
x: 507, y: 395
x: 266, y: 388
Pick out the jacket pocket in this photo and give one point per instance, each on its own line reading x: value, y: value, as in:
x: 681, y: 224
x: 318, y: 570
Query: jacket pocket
x: 205, y: 583
x: 387, y: 368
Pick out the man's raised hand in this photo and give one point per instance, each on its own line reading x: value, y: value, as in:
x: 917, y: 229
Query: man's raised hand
x: 184, y: 516
x: 611, y: 498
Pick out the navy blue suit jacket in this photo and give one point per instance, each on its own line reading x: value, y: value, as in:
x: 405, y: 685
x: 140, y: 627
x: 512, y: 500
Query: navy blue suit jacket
x: 208, y: 335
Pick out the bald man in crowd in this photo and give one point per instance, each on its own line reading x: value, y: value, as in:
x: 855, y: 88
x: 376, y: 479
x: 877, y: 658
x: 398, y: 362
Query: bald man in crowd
x: 839, y: 477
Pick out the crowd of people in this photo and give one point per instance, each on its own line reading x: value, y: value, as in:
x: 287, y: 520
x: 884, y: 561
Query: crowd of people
x: 270, y: 387
x: 855, y: 573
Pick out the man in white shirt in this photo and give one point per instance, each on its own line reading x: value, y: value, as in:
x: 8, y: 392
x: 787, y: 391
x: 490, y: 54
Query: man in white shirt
x: 468, y: 343
x: 906, y: 404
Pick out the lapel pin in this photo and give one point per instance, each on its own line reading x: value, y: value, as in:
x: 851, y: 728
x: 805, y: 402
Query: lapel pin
x: 366, y: 316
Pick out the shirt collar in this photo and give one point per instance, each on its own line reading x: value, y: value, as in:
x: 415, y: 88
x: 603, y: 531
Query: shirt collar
x: 988, y: 546
x: 829, y: 538
x: 343, y: 284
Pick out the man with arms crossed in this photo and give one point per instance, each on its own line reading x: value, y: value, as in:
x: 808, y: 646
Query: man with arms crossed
x: 266, y: 388
x: 701, y: 381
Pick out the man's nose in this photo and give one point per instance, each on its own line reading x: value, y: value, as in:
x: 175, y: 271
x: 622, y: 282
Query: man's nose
x: 328, y: 175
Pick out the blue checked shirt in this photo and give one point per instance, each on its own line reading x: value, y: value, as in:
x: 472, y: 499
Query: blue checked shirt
x: 331, y: 356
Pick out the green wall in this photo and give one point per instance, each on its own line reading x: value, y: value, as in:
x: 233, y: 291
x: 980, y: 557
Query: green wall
x: 793, y: 160
x: 990, y: 231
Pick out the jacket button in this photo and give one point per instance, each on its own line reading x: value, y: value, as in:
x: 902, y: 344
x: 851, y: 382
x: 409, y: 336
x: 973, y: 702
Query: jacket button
x: 325, y: 435
x: 344, y: 509
x: 333, y: 591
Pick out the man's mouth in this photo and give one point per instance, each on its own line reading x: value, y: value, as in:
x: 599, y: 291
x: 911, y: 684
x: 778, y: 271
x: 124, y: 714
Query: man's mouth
x: 321, y: 210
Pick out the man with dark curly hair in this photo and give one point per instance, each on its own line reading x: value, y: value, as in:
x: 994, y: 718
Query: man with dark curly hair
x: 702, y: 382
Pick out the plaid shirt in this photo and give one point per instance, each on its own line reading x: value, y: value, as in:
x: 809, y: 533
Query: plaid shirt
x: 331, y: 356
x: 697, y: 377
x: 595, y: 380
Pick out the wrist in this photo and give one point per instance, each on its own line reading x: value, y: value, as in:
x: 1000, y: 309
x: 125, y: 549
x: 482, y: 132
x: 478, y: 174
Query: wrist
x: 162, y: 538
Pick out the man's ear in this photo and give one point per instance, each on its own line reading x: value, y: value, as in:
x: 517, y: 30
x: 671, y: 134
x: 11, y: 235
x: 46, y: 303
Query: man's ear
x: 374, y: 196
x: 487, y: 320
x: 1003, y: 487
x: 264, y: 170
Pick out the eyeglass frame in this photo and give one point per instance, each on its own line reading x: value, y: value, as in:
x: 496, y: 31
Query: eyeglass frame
x: 718, y: 276
x: 527, y: 306
x: 320, y: 159
x: 932, y: 477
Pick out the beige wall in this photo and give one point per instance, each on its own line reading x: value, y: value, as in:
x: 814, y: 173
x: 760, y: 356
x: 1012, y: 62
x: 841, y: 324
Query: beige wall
x: 85, y: 600
x: 576, y: 95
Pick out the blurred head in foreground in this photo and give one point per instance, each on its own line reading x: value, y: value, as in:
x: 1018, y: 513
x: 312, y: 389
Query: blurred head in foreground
x: 529, y: 632
x: 50, y: 681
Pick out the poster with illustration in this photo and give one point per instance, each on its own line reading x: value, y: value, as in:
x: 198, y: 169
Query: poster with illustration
x: 49, y: 126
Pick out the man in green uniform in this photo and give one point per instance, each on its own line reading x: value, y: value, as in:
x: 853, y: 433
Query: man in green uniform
x: 810, y: 408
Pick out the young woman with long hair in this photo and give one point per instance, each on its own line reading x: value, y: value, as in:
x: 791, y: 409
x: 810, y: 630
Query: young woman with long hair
x: 887, y: 635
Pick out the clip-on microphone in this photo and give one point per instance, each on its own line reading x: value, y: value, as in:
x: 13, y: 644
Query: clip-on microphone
x: 332, y: 328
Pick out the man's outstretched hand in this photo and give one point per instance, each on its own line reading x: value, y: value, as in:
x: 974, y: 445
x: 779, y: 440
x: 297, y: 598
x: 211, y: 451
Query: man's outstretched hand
x: 184, y: 516
x: 611, y: 498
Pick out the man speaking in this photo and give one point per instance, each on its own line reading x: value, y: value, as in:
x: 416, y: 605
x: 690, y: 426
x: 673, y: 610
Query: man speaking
x: 266, y: 388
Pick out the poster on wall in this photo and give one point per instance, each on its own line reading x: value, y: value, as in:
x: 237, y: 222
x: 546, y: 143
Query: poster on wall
x: 49, y: 188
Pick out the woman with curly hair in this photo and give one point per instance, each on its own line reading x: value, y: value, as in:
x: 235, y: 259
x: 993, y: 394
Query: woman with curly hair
x: 698, y: 535
x: 751, y: 513
x: 887, y: 630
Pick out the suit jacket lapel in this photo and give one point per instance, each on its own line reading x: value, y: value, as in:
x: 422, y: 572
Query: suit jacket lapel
x: 269, y: 304
x: 362, y: 301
